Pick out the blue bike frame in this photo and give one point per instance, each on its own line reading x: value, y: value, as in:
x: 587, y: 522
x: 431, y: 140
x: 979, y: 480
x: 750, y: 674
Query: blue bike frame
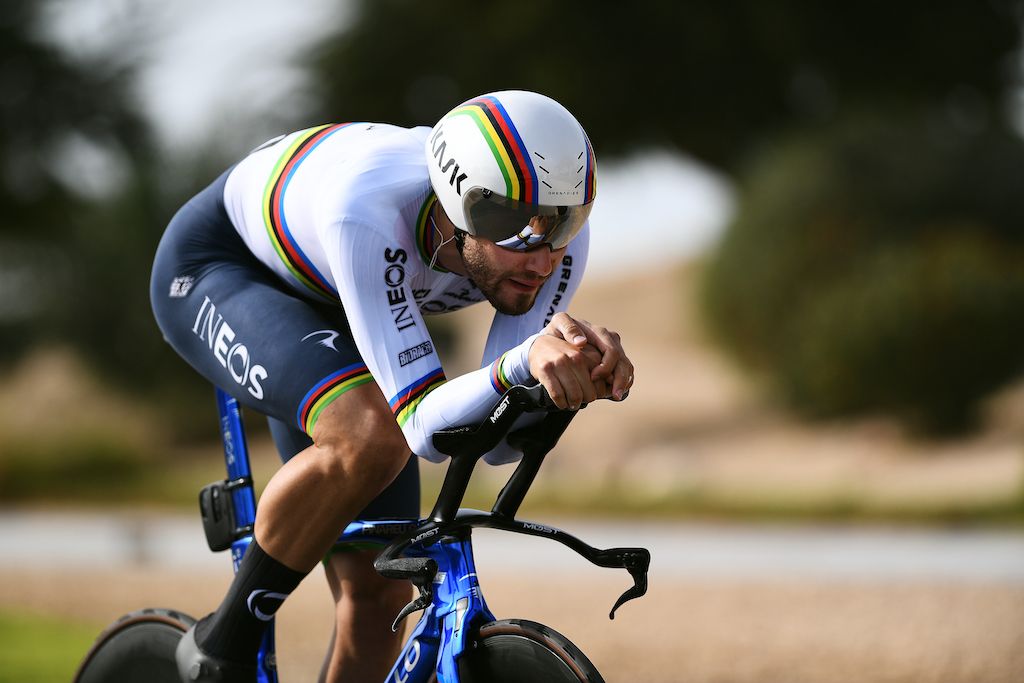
x: 436, y: 554
x: 438, y: 639
x: 243, y: 499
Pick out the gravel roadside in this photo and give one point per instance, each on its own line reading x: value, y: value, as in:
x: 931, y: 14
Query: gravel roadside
x: 716, y: 631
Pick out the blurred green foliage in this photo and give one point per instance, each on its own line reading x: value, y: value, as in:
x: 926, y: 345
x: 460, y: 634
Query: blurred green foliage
x: 875, y: 264
x: 712, y: 78
x: 722, y: 81
x: 51, y: 108
x: 102, y: 466
x: 108, y: 468
x: 85, y: 193
x: 40, y: 649
x: 878, y: 265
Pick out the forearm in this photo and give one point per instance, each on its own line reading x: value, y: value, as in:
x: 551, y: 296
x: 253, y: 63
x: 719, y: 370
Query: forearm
x: 464, y: 400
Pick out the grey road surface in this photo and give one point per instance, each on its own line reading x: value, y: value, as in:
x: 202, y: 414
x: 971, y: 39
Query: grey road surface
x: 105, y: 540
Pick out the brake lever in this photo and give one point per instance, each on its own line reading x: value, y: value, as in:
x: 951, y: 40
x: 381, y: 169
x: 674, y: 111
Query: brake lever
x: 636, y: 561
x: 420, y: 603
x: 638, y: 590
x: 421, y: 571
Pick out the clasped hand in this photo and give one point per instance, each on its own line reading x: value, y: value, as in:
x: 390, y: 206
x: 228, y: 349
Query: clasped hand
x: 578, y: 362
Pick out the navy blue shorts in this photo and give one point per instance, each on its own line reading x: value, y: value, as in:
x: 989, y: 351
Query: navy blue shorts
x: 245, y: 331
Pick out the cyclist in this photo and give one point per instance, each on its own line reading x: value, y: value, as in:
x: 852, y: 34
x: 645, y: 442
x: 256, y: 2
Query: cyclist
x: 297, y: 282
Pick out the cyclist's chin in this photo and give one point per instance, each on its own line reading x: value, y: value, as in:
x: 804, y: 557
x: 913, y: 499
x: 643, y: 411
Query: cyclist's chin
x: 509, y: 300
x: 508, y: 295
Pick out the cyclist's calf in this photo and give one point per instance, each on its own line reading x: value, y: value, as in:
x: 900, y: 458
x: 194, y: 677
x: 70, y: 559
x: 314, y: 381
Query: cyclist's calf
x: 366, y: 603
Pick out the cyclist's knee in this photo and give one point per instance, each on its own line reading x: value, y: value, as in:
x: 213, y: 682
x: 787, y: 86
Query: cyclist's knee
x: 360, y: 439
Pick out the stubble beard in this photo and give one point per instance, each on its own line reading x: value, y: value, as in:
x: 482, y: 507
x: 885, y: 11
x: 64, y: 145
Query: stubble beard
x: 488, y: 280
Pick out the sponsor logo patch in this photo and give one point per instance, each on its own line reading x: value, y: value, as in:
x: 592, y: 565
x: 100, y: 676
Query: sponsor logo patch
x: 415, y: 353
x: 563, y: 286
x: 394, y: 278
x: 499, y: 410
x: 211, y: 327
x: 181, y: 286
x: 328, y: 338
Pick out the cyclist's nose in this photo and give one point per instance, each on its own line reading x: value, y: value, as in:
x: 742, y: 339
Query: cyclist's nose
x: 541, y: 260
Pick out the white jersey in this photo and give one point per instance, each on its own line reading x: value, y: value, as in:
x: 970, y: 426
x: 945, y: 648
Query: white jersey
x: 340, y: 213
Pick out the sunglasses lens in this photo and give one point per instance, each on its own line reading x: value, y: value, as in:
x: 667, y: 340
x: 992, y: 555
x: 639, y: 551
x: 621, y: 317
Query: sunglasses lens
x: 518, y: 225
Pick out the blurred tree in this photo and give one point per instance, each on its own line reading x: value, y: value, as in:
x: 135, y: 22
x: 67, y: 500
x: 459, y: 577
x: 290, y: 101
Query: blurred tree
x: 712, y: 78
x: 878, y: 266
x: 56, y: 114
x: 84, y: 199
x: 876, y: 260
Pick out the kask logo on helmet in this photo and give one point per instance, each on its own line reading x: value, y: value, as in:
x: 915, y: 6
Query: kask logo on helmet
x: 439, y: 147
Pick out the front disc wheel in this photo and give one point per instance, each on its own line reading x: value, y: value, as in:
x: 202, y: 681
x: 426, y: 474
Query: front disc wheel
x: 521, y: 651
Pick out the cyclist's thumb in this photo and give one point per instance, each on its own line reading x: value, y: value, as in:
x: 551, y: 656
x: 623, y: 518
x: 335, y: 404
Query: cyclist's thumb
x: 569, y: 329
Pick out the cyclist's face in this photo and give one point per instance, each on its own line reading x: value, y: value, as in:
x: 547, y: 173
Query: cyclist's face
x: 509, y: 279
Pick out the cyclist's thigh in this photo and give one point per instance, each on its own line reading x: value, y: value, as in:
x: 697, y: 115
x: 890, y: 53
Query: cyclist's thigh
x: 240, y: 327
x: 400, y: 500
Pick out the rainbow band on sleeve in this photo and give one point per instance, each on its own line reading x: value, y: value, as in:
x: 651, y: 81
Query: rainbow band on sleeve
x: 499, y: 380
x: 507, y: 146
x: 328, y: 389
x: 284, y: 243
x: 405, y: 402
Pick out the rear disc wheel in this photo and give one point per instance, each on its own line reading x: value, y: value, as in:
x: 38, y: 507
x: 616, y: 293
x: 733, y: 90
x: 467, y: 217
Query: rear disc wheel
x: 137, y: 648
x: 521, y: 651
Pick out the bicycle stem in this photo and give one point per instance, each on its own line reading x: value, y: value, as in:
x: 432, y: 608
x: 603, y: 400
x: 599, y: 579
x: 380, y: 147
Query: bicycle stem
x: 466, y: 445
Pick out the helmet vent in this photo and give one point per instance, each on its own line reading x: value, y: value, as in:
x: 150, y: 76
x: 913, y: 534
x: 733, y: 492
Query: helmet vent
x: 541, y: 156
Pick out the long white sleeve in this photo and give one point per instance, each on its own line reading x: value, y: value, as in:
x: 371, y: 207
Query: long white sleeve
x: 372, y: 273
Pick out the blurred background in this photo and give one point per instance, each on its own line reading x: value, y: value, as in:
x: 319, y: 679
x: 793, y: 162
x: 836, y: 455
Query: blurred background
x: 809, y: 232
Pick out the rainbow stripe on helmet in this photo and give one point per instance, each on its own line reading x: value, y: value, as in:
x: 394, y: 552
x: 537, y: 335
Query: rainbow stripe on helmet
x: 284, y: 243
x: 509, y: 151
x: 590, y: 189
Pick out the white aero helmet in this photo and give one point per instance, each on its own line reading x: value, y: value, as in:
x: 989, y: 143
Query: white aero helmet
x: 513, y: 167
